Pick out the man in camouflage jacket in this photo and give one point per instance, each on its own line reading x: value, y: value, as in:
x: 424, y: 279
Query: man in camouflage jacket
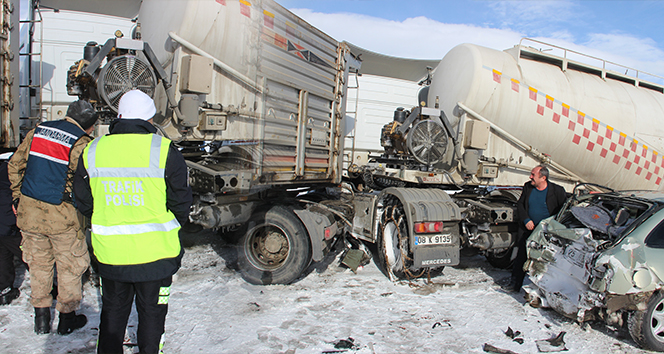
x: 41, y: 173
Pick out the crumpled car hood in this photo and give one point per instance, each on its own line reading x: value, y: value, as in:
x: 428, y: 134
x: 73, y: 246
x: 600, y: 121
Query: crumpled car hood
x: 560, y: 268
x: 572, y: 272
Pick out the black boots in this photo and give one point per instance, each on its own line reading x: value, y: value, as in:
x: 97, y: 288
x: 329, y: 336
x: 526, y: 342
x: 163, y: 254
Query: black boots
x: 68, y: 321
x: 8, y: 295
x: 71, y: 321
x: 514, y: 286
x: 42, y: 320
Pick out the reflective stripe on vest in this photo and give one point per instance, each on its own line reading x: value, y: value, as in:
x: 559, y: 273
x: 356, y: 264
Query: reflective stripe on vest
x: 130, y: 221
x: 151, y: 172
x: 48, y: 162
x: 135, y: 229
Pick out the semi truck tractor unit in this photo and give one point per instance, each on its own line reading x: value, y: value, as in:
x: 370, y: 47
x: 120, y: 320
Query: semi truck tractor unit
x: 452, y: 167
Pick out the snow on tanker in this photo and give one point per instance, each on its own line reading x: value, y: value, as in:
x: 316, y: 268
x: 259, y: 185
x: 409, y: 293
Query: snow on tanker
x: 256, y: 99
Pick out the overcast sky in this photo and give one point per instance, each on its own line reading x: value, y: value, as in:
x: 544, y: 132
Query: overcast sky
x: 630, y: 33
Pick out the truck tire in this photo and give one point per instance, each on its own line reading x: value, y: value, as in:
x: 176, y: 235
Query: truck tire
x: 502, y: 259
x: 392, y: 241
x: 275, y: 249
x: 647, y: 327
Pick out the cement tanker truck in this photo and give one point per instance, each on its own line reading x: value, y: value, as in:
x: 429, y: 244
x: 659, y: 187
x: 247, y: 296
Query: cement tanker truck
x: 255, y: 97
x: 452, y: 167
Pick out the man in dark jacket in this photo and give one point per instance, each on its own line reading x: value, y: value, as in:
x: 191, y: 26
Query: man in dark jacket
x: 133, y: 185
x: 539, y: 199
x: 10, y: 238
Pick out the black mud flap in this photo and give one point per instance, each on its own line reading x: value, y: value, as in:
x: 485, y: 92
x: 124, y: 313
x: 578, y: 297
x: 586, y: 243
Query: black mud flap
x: 436, y: 256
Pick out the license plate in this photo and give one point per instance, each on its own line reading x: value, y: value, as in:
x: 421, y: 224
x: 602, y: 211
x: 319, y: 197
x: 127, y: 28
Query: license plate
x: 433, y: 240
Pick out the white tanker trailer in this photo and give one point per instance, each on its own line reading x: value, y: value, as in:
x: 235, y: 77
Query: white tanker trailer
x: 453, y: 167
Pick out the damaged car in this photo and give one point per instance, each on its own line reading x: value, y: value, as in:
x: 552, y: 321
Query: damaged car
x: 602, y: 258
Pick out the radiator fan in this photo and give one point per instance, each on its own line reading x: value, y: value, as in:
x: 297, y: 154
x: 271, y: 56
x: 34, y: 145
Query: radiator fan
x: 427, y: 142
x: 122, y: 74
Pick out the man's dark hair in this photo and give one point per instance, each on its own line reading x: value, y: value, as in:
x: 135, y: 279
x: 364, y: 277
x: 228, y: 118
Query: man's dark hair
x: 83, y: 113
x: 544, y: 171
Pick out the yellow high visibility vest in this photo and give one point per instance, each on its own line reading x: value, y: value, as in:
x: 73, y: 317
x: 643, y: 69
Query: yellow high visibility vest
x: 130, y: 221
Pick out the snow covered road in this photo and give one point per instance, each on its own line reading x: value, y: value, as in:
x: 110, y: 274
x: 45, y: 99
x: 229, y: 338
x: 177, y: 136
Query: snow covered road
x: 213, y: 310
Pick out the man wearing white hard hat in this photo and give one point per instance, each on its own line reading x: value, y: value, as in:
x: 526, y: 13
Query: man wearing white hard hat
x: 133, y: 185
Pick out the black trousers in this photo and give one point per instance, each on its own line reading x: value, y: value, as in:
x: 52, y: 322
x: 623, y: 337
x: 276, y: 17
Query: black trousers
x: 518, y: 274
x: 151, y: 305
x: 10, y: 246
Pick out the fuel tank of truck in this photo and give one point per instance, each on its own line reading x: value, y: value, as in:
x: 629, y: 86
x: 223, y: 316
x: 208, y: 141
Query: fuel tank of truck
x: 602, y: 125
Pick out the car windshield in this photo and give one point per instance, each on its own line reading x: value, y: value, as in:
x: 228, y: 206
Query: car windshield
x: 608, y: 215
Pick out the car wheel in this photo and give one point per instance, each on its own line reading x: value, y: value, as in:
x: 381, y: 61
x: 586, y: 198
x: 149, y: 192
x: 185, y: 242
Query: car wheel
x: 275, y: 249
x: 647, y: 327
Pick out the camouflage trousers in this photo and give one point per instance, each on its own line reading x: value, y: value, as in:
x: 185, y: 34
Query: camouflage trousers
x: 69, y: 254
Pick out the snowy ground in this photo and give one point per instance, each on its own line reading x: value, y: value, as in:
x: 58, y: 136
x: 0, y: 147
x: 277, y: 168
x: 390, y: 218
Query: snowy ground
x: 212, y: 310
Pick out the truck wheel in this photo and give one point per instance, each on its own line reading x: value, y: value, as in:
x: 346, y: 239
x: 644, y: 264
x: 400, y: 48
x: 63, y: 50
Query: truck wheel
x: 502, y: 259
x: 275, y: 249
x: 392, y: 241
x: 647, y: 327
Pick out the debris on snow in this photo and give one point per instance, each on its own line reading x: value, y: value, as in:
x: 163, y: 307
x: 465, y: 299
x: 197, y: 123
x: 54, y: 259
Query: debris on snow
x: 438, y: 324
x: 348, y: 343
x: 254, y: 306
x: 425, y: 289
x: 514, y: 335
x: 354, y: 258
x: 491, y: 349
x: 553, y: 344
x: 511, y: 333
